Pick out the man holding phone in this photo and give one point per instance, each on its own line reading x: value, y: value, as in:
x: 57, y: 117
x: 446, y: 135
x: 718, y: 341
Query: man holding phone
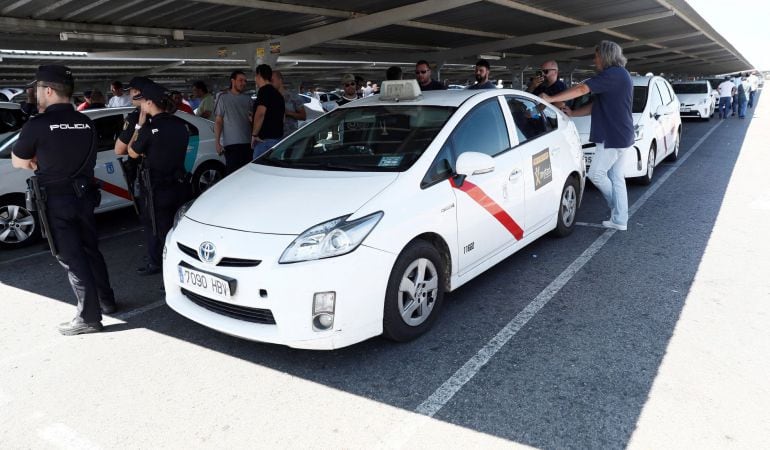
x: 546, y: 80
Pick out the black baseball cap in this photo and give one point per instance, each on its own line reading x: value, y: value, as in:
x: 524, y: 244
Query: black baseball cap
x: 54, y: 73
x: 139, y: 82
x: 152, y: 91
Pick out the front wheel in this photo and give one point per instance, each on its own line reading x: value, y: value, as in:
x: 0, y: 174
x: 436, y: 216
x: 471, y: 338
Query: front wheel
x: 568, y: 204
x: 19, y: 226
x: 415, y: 292
x: 675, y: 154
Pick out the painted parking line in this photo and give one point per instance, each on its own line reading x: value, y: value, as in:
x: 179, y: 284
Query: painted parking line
x: 441, y: 396
x: 590, y: 225
x: 48, y: 252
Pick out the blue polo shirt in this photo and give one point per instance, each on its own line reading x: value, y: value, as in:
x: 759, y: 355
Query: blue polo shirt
x: 611, y: 120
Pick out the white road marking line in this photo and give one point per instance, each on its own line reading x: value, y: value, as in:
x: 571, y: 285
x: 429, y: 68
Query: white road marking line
x: 48, y: 252
x: 441, y: 396
x: 591, y: 225
x: 122, y: 317
x: 62, y: 436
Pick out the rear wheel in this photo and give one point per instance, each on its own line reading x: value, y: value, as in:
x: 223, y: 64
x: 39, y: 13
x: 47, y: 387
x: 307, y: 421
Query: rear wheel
x: 568, y: 204
x: 647, y: 177
x: 18, y: 225
x: 415, y: 292
x: 675, y: 154
x: 207, y: 175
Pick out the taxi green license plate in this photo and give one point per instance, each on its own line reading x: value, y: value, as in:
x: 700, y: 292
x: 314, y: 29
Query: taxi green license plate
x: 205, y: 283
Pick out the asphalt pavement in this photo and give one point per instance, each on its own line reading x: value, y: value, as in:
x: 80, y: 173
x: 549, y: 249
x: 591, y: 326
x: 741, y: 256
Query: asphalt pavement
x: 655, y: 337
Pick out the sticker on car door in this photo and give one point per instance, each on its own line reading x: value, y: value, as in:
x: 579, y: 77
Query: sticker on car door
x: 541, y: 168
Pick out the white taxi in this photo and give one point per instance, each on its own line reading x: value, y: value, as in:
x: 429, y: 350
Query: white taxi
x: 19, y: 227
x: 696, y: 99
x: 357, y: 224
x: 657, y: 128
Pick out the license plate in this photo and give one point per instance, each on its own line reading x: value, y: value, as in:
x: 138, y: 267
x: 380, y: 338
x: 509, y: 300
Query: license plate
x: 685, y: 110
x: 206, y: 284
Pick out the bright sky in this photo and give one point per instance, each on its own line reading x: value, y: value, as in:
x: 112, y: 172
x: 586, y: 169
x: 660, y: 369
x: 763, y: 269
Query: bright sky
x: 744, y: 24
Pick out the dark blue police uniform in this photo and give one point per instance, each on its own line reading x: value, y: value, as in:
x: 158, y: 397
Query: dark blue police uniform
x: 162, y: 142
x: 64, y: 143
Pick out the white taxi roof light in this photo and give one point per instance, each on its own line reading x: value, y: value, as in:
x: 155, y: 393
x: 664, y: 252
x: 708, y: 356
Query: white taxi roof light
x: 398, y: 90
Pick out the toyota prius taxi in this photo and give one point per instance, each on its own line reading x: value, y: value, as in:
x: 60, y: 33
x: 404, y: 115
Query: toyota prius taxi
x: 357, y: 224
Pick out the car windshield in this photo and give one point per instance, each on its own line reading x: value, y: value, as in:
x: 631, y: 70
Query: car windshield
x: 691, y: 88
x: 363, y: 139
x: 640, y: 99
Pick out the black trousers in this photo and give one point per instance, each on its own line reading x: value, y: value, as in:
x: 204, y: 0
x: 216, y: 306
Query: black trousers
x: 73, y: 229
x: 167, y: 200
x: 237, y: 156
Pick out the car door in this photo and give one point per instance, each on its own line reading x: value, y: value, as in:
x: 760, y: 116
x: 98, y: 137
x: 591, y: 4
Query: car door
x: 668, y: 128
x: 107, y: 170
x: 537, y: 147
x: 490, y: 206
x: 654, y: 122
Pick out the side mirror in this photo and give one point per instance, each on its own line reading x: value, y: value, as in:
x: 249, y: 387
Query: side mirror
x: 474, y: 163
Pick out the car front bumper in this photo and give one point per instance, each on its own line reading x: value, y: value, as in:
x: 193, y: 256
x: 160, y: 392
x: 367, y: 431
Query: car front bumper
x: 281, y: 292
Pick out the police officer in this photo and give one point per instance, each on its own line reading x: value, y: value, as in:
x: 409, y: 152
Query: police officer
x: 161, y: 144
x: 60, y: 146
x: 130, y: 166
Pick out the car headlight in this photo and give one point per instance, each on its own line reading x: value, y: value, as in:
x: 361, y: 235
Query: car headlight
x: 180, y: 213
x: 332, y: 238
x: 638, y: 132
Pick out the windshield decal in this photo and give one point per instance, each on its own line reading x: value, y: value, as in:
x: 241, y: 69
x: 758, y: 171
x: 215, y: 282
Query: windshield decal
x: 390, y: 161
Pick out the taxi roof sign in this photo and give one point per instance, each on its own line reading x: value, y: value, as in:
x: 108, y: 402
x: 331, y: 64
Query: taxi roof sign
x: 397, y: 90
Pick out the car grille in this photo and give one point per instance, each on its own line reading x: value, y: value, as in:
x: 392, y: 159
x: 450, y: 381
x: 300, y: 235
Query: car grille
x: 225, y: 262
x: 255, y: 315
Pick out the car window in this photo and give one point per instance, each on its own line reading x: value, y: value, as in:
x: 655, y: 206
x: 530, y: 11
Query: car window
x: 530, y: 121
x: 665, y: 93
x: 107, y: 130
x: 481, y: 130
x: 192, y: 130
x: 656, y: 99
x: 640, y: 99
x: 691, y: 88
x: 363, y: 139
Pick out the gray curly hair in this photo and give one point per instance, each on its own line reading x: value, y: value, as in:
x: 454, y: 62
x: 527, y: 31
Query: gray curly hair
x: 611, y: 54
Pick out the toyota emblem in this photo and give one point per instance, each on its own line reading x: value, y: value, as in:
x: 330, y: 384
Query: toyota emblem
x: 207, y: 251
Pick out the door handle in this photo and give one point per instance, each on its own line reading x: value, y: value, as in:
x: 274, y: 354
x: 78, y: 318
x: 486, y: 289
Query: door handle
x: 514, y: 174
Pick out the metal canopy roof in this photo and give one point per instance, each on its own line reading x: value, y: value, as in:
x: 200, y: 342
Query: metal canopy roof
x: 178, y: 41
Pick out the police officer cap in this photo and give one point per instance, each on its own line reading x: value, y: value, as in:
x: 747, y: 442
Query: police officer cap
x: 54, y: 73
x: 152, y: 91
x: 138, y: 83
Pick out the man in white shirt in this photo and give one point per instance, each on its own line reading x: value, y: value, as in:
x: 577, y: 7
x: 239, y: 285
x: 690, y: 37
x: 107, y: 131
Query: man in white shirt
x: 119, y: 98
x: 726, y: 91
x: 754, y: 82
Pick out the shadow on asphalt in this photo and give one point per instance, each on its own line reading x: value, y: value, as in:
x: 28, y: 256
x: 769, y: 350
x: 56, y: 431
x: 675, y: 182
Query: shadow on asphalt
x: 577, y: 375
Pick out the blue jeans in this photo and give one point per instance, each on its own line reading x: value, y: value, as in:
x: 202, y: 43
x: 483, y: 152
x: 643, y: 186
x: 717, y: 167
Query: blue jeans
x: 263, y: 146
x: 725, y: 104
x: 742, y: 108
x: 752, y: 94
x: 735, y: 104
x: 606, y: 173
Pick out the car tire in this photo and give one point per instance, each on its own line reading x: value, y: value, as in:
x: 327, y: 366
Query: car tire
x: 568, y: 205
x: 206, y: 175
x: 675, y: 154
x: 19, y: 226
x: 647, y: 177
x: 415, y: 292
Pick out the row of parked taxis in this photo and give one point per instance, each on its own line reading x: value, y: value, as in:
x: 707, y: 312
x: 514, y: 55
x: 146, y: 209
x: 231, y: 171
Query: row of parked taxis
x: 359, y: 223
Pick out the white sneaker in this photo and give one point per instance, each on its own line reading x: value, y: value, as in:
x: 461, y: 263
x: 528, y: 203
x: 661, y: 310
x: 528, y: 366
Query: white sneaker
x: 616, y: 226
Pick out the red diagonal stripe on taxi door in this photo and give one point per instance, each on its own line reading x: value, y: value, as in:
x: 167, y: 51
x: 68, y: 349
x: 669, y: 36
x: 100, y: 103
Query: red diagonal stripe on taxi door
x: 114, y: 190
x: 478, y: 195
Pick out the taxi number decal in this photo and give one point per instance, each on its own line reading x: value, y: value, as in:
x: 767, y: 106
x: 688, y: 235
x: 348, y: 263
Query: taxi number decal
x: 491, y: 206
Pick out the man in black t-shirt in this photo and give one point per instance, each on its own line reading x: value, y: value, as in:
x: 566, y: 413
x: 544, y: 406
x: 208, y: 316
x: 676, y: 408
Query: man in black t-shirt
x: 161, y: 143
x: 267, y: 125
x: 60, y: 146
x: 547, y: 81
x: 423, y: 74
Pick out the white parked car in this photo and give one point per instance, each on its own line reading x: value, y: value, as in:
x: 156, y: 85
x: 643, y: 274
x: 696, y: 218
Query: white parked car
x: 328, y: 100
x: 657, y: 128
x: 313, y: 109
x: 19, y: 226
x: 696, y: 99
x: 357, y: 224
